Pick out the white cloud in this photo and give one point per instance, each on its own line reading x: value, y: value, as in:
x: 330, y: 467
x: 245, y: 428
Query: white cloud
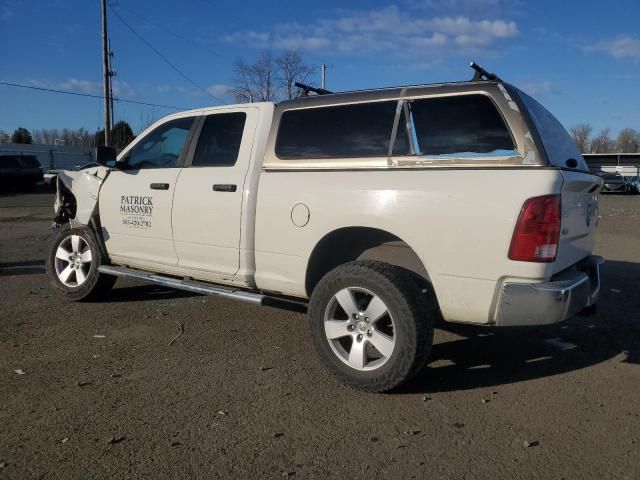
x: 81, y: 86
x: 622, y: 47
x: 387, y: 30
x: 218, y: 90
x: 89, y: 87
x: 540, y: 89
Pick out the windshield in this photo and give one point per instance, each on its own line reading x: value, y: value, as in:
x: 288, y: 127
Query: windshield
x: 558, y: 144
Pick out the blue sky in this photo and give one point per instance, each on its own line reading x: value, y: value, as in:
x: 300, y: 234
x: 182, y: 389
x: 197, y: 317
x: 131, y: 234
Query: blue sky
x: 581, y: 59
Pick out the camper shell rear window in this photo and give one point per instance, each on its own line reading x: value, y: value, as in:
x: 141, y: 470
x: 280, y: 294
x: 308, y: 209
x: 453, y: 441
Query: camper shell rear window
x: 457, y: 126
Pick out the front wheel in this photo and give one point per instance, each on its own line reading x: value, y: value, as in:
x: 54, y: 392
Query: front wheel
x: 72, y: 265
x: 372, y: 325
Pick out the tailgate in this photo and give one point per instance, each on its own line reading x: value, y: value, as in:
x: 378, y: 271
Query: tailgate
x: 579, y: 217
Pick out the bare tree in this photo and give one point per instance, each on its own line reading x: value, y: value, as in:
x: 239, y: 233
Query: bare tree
x: 148, y: 119
x: 628, y: 141
x: 52, y: 136
x: 603, y: 143
x: 46, y: 136
x: 291, y: 69
x: 269, y: 78
x: 244, y: 88
x: 265, y: 71
x: 582, y: 135
x: 258, y: 81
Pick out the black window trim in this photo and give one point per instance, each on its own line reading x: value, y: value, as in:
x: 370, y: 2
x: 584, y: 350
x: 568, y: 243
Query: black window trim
x: 188, y: 161
x: 303, y: 159
x: 401, y: 101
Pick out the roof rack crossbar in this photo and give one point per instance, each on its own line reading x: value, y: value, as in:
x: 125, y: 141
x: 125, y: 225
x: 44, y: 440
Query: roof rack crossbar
x: 481, y: 74
x: 308, y: 88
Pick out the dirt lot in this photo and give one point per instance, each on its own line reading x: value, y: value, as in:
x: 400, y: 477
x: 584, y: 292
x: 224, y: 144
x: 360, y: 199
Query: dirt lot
x: 241, y: 395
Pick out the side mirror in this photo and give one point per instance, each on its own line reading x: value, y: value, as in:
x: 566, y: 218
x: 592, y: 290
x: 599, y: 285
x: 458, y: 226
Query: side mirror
x: 106, y: 156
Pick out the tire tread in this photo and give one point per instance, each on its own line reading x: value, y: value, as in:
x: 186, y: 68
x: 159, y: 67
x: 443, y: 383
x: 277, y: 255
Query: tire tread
x: 421, y: 310
x: 96, y: 285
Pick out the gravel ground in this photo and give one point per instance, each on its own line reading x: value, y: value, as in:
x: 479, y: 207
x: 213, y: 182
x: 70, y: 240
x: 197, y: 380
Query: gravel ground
x: 240, y: 394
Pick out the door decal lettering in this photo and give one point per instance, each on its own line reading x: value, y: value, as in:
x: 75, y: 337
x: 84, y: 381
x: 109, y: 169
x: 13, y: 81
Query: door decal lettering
x: 136, y: 211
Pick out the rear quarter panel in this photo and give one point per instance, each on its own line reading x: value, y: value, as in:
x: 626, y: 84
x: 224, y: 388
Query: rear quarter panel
x: 459, y: 221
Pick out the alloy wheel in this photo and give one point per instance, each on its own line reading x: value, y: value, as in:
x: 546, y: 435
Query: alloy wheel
x: 359, y: 328
x: 73, y: 261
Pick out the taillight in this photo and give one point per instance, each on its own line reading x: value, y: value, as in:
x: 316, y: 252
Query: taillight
x: 535, y: 238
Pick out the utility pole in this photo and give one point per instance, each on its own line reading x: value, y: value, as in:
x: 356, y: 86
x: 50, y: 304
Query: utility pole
x: 112, y: 74
x: 323, y: 79
x: 106, y: 75
x: 324, y: 74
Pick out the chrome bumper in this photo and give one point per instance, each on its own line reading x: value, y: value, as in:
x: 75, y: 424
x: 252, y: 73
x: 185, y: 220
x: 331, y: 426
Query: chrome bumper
x: 566, y: 294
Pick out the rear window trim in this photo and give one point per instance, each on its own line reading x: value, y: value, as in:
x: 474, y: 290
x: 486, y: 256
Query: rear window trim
x: 479, y: 157
x: 341, y: 104
x: 400, y: 101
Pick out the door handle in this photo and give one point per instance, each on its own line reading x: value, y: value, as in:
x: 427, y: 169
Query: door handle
x: 224, y: 187
x: 159, y: 186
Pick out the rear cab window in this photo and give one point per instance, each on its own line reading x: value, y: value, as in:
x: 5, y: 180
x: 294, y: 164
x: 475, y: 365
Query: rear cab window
x: 460, y: 126
x: 341, y: 131
x: 220, y: 140
x: 558, y: 144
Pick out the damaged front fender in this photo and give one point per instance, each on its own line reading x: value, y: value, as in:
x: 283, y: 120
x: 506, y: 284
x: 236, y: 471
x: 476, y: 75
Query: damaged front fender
x: 77, y: 195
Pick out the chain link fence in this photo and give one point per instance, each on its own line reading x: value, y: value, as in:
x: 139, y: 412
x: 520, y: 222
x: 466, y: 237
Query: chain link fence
x: 52, y: 157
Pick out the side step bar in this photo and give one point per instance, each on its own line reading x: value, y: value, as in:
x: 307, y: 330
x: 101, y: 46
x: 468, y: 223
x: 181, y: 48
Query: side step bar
x: 188, y: 285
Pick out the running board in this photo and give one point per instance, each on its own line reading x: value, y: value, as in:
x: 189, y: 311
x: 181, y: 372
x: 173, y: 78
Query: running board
x: 188, y: 285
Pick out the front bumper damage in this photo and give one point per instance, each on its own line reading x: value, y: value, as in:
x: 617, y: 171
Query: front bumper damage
x: 77, y: 195
x: 565, y: 295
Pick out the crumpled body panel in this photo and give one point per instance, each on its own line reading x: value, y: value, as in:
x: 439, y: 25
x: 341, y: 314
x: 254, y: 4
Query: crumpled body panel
x: 85, y: 187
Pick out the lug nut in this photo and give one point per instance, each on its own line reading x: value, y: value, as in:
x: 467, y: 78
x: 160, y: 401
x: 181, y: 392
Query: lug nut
x: 360, y: 337
x: 369, y: 332
x: 351, y: 328
x: 366, y: 319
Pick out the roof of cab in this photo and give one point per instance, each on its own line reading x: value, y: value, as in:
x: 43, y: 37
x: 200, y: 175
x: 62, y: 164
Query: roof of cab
x: 196, y: 111
x: 386, y: 92
x: 355, y: 95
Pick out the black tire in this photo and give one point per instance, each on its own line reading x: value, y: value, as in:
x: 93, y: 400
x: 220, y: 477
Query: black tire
x: 413, y: 315
x: 95, y: 284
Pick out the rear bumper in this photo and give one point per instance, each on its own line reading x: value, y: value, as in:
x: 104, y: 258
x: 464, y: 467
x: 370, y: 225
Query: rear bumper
x: 566, y: 294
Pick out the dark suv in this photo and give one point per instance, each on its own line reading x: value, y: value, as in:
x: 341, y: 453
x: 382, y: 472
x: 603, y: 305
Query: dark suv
x: 18, y: 172
x: 614, y: 182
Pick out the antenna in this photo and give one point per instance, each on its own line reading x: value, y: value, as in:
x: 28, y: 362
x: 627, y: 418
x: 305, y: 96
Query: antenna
x: 481, y: 74
x: 308, y: 88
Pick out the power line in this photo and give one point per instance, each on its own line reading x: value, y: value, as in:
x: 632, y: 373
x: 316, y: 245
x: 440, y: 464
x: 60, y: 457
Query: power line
x: 168, y: 62
x: 170, y: 32
x: 53, y: 90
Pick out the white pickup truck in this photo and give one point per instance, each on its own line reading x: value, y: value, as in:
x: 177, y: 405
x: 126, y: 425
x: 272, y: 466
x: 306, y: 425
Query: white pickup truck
x: 381, y: 210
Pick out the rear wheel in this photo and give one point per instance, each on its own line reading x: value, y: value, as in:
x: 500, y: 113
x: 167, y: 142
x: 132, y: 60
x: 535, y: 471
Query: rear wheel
x: 72, y: 265
x: 372, y: 326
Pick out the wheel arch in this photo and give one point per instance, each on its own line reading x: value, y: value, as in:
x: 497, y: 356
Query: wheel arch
x: 347, y: 244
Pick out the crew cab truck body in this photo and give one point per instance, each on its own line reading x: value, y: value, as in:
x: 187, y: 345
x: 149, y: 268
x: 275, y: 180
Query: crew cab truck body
x: 380, y: 209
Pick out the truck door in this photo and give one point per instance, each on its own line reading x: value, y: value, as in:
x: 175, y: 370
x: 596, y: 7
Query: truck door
x: 135, y: 202
x: 208, y: 201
